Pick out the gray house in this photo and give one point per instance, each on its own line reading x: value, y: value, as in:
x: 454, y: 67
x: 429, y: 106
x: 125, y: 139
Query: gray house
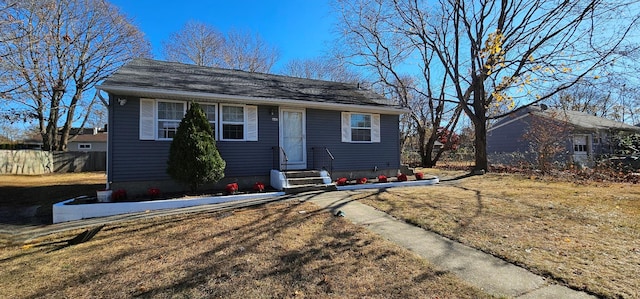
x: 265, y: 125
x: 585, y: 136
x: 88, y: 140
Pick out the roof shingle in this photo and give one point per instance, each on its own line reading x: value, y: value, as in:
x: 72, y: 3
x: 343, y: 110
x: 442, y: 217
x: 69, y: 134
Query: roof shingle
x: 171, y: 77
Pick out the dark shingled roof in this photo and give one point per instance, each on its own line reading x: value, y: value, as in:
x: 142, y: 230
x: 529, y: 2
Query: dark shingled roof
x: 584, y: 120
x: 161, y: 77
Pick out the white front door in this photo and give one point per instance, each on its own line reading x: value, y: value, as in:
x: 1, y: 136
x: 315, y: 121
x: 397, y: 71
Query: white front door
x: 580, y: 148
x: 293, y: 139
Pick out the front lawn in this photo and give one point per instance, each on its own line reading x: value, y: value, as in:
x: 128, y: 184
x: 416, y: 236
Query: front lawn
x: 283, y: 250
x: 586, y: 235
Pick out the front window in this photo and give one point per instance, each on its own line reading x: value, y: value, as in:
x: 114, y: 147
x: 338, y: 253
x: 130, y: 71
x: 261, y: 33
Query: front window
x: 211, y: 111
x: 360, y: 127
x: 232, y: 122
x: 169, y: 116
x: 84, y: 146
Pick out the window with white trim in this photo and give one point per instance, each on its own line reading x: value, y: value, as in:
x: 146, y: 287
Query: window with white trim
x: 84, y: 146
x: 211, y: 111
x: 232, y: 122
x: 169, y: 115
x: 159, y: 120
x: 360, y: 127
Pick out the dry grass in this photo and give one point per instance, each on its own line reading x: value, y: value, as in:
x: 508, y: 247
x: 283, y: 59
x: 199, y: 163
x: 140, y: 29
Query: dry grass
x: 284, y: 250
x: 587, y: 235
x: 42, y: 191
x: 21, y: 190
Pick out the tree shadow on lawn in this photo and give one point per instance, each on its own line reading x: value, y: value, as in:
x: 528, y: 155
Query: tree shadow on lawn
x: 219, y: 261
x: 33, y: 205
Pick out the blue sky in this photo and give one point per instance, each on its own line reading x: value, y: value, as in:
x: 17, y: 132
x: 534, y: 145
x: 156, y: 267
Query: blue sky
x: 298, y: 28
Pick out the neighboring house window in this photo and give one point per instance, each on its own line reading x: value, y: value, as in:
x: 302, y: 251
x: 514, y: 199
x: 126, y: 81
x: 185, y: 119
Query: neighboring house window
x: 211, y: 111
x: 84, y: 146
x: 169, y: 116
x: 360, y: 127
x: 580, y: 144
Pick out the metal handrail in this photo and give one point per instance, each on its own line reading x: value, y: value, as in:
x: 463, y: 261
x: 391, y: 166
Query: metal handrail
x: 316, y: 162
x: 326, y: 149
x: 277, y: 162
x: 286, y: 159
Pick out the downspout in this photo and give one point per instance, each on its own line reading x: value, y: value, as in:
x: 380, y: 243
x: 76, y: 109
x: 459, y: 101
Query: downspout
x: 106, y: 104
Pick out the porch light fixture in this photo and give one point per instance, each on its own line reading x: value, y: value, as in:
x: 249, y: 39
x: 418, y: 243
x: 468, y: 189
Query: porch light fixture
x: 122, y: 101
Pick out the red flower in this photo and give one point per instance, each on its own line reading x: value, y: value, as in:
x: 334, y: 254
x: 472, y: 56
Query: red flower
x: 402, y: 177
x: 362, y: 180
x: 341, y: 181
x: 119, y: 194
x: 232, y: 188
x: 153, y: 192
x: 258, y: 186
x: 382, y: 178
x: 419, y: 175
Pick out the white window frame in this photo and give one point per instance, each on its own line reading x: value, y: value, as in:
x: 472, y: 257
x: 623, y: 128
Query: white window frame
x: 158, y: 119
x: 214, y: 124
x: 148, y: 120
x: 346, y: 127
x: 364, y: 128
x: 226, y: 122
x: 84, y: 146
x: 249, y: 122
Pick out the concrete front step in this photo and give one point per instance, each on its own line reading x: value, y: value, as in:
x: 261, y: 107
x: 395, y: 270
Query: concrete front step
x: 296, y: 174
x: 305, y: 181
x: 301, y: 180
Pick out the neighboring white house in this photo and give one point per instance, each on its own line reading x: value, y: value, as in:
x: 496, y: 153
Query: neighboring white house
x: 89, y: 140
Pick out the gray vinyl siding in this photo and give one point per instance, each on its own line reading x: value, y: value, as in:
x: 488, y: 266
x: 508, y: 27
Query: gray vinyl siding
x: 508, y: 138
x: 132, y: 159
x: 324, y: 130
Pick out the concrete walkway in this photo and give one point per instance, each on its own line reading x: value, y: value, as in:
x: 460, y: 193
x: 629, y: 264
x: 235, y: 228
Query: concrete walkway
x: 493, y: 275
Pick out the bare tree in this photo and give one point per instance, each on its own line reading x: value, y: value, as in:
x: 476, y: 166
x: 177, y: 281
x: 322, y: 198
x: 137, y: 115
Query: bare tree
x: 321, y: 68
x: 375, y: 37
x: 201, y: 44
x: 249, y: 52
x: 490, y: 53
x: 615, y: 97
x: 547, y: 137
x: 196, y: 43
x: 59, y: 51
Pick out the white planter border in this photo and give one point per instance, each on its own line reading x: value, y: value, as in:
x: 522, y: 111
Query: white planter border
x: 424, y: 182
x: 63, y: 212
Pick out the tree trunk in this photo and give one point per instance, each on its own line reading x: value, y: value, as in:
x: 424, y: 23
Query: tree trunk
x: 425, y: 148
x: 480, y: 143
x: 479, y: 120
x: 66, y: 128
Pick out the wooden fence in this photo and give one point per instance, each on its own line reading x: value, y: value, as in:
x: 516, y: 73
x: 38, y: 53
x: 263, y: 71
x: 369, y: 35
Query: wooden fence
x: 41, y: 162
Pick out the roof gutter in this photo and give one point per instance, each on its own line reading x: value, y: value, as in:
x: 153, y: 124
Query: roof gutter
x: 148, y: 92
x: 507, y: 122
